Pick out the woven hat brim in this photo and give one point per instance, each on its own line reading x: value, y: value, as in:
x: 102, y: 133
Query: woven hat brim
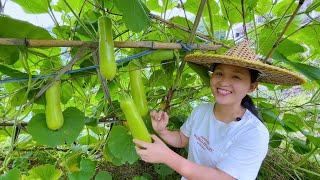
x: 268, y: 73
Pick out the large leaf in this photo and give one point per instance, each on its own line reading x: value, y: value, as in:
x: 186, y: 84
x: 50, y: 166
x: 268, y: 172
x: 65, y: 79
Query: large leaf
x: 180, y: 34
x: 276, y: 140
x: 135, y: 14
x: 12, y: 72
x: 311, y: 72
x: 300, y: 146
x: 87, y: 170
x: 121, y: 145
x: 73, y: 124
x: 163, y: 169
x: 87, y: 140
x: 282, y: 6
x: 13, y: 174
x: 20, y: 29
x: 232, y: 10
x: 47, y: 172
x: 19, y: 98
x: 293, y: 48
x: 266, y: 40
x: 103, y: 175
x: 312, y: 138
x: 263, y: 7
x: 9, y: 54
x: 66, y: 92
x: 292, y: 122
x: 34, y: 6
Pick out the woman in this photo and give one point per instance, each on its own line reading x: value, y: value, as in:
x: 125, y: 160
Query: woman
x: 226, y: 139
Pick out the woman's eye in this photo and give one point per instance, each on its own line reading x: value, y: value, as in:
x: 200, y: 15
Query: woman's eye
x: 217, y: 74
x: 236, y: 77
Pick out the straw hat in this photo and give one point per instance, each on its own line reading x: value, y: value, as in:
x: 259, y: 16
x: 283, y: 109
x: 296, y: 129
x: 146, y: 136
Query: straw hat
x: 242, y: 55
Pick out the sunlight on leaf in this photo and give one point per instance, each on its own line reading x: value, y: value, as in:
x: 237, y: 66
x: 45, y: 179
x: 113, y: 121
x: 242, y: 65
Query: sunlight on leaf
x: 47, y: 172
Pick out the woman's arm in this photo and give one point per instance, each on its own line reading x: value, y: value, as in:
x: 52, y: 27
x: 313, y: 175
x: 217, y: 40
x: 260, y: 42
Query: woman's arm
x: 174, y: 138
x: 158, y: 152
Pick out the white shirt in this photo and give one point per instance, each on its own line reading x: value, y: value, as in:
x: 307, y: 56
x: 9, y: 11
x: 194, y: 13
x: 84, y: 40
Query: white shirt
x: 237, y: 148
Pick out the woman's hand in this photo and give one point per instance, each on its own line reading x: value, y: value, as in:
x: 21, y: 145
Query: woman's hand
x: 156, y: 152
x: 159, y: 120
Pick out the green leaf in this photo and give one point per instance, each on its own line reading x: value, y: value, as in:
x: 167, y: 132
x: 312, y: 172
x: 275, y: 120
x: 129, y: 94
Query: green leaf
x: 300, y: 146
x: 269, y: 113
x: 9, y: 54
x: 312, y: 138
x: 91, y: 121
x: 66, y: 92
x: 294, y: 48
x: 47, y: 172
x: 276, y: 140
x: 12, y: 72
x: 293, y: 122
x: 266, y: 40
x: 177, y: 33
x: 282, y: 6
x: 12, y: 174
x: 19, y: 98
x: 121, y: 145
x: 22, y: 29
x: 165, y: 5
x: 72, y: 161
x: 135, y: 14
x: 62, y: 32
x: 311, y: 72
x: 12, y: 86
x: 34, y: 6
x: 154, y: 5
x: 263, y: 7
x: 87, y: 170
x: 73, y: 124
x: 103, y: 175
x: 163, y: 169
x: 307, y: 35
x: 221, y: 24
x: 87, y: 140
x: 18, y: 29
x: 159, y: 77
x: 108, y: 156
x: 157, y: 56
x: 88, y: 166
x: 139, y: 178
x: 193, y: 6
x: 232, y: 11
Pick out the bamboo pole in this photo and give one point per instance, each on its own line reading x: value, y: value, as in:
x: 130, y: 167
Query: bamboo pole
x: 119, y: 44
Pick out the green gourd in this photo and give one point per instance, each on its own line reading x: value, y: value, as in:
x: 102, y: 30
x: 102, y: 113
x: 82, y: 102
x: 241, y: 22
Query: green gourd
x: 54, y: 116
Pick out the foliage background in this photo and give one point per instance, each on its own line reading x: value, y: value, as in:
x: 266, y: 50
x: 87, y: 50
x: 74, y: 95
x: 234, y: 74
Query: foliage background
x: 102, y: 146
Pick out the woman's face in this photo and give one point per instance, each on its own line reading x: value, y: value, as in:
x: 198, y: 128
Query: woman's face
x: 229, y: 84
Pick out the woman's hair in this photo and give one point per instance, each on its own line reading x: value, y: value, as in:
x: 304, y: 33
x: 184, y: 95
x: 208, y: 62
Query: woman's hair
x: 247, y: 101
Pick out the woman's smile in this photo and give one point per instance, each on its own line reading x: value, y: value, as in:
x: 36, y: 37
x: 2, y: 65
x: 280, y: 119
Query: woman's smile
x: 223, y: 92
